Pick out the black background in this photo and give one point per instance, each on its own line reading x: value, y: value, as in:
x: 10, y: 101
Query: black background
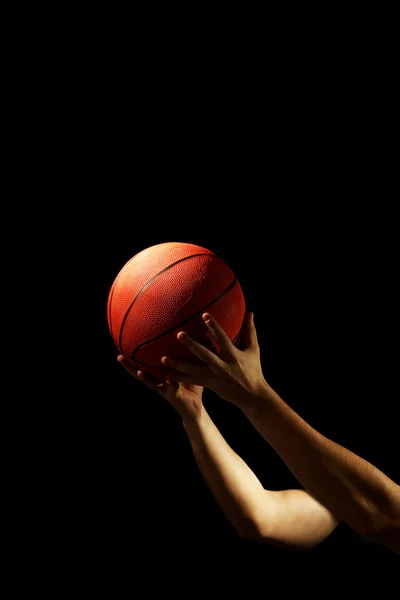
x: 320, y: 280
x: 281, y: 165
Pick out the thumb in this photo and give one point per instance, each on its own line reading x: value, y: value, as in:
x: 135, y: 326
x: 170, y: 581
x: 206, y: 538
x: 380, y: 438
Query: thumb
x: 250, y: 341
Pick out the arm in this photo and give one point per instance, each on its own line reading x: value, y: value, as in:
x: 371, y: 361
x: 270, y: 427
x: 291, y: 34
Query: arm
x: 289, y: 518
x: 354, y: 490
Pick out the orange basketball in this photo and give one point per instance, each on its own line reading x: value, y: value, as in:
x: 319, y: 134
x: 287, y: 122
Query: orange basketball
x: 165, y: 289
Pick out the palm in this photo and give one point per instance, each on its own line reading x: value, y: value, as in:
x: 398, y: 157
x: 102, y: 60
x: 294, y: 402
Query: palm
x: 184, y: 397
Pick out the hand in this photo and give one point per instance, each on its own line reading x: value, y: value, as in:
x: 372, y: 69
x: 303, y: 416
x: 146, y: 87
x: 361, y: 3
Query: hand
x: 184, y: 397
x: 235, y: 375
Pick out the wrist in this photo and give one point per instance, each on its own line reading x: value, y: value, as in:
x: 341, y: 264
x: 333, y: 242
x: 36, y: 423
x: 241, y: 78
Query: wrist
x: 260, y: 400
x: 192, y: 418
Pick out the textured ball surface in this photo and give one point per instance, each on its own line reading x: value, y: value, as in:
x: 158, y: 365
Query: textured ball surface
x: 165, y: 289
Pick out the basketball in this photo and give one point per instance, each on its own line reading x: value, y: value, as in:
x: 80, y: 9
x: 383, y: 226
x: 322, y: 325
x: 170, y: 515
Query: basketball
x: 165, y: 289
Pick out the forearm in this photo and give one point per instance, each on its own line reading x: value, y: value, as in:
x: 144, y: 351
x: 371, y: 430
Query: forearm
x: 354, y: 490
x: 233, y: 484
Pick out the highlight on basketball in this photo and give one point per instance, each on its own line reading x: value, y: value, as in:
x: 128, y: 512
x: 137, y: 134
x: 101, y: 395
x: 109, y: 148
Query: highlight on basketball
x: 165, y: 289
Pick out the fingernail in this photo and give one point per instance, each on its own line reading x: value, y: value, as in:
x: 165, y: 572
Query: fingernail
x: 206, y: 317
x: 165, y: 360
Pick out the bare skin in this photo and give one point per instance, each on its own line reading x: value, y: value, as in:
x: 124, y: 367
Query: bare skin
x: 352, y: 489
x: 291, y: 519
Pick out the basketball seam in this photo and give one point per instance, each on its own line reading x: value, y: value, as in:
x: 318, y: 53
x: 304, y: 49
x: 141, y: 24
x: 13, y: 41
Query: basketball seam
x: 111, y: 294
x: 235, y: 342
x: 230, y: 286
x: 149, y: 282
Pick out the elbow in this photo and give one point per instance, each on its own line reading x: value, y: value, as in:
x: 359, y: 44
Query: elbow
x: 247, y: 529
x: 379, y: 522
x: 385, y: 532
x: 382, y: 528
x: 250, y: 534
x: 252, y: 531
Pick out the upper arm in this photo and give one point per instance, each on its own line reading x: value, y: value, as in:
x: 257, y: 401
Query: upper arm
x: 293, y: 519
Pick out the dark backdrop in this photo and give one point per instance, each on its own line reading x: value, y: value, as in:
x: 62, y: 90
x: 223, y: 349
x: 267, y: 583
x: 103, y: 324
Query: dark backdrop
x: 285, y: 170
x: 320, y: 279
x: 274, y: 150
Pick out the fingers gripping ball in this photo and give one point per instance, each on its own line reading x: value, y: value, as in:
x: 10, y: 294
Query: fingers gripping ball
x: 165, y: 289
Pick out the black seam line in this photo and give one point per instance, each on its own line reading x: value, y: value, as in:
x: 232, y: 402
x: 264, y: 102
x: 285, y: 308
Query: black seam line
x: 149, y: 282
x: 114, y: 285
x: 183, y: 322
x: 237, y: 336
x: 140, y: 362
